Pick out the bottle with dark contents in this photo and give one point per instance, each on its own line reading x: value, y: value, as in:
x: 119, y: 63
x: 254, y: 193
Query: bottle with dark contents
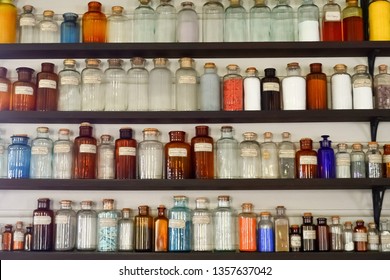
x: 270, y: 91
x: 353, y: 22
x: 23, y: 91
x: 5, y: 90
x: 326, y: 159
x: 309, y: 233
x: 7, y: 238
x: 125, y: 154
x: 143, y: 230
x: 161, y: 230
x: 28, y: 238
x: 386, y: 161
x: 323, y: 242
x: 43, y: 226
x: 316, y: 88
x: 360, y: 237
x: 85, y: 157
x: 295, y: 238
x: 202, y: 154
x: 47, y: 88
x: 306, y: 159
x: 177, y: 156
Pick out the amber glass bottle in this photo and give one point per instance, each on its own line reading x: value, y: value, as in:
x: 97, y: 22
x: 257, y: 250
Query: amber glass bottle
x: 43, y: 226
x: 126, y: 155
x: 23, y: 91
x: 8, y: 21
x: 360, y: 237
x: 47, y: 88
x: 202, y: 154
x: 84, y: 154
x: 143, y: 230
x: 161, y: 230
x: 177, y: 156
x: 7, y: 238
x: 94, y: 24
x: 18, y: 238
x: 386, y: 161
x: 5, y: 90
x: 316, y: 88
x: 323, y: 234
x: 306, y: 159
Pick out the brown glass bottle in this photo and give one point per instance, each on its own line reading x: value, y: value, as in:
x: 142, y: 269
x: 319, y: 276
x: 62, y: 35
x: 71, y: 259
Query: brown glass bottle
x: 360, y: 238
x: 143, y: 230
x: 18, y: 237
x: 270, y: 90
x: 386, y: 161
x: 177, y: 156
x: 43, y: 226
x: 309, y: 234
x: 5, y: 90
x: 126, y: 155
x: 202, y: 154
x: 28, y: 238
x: 94, y: 24
x: 84, y: 154
x: 23, y: 91
x: 7, y: 238
x: 161, y: 230
x: 316, y: 88
x: 295, y: 238
x: 47, y: 88
x: 306, y: 160
x: 323, y: 234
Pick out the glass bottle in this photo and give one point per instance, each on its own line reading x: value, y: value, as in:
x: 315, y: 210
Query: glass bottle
x: 180, y: 225
x: 213, y: 21
x: 27, y: 24
x: 281, y: 230
x: 47, y: 88
x: 106, y: 158
x: 177, y: 156
x: 353, y: 22
x: 84, y: 153
x: 28, y: 237
x: 65, y: 227
x: 247, y: 228
x: 187, y: 27
x: 3, y: 159
x: 8, y: 20
x: 341, y: 88
x: 115, y: 86
x: 308, y: 21
x: 362, y: 88
x: 23, y: 91
x: 260, y: 22
x: 348, y: 237
x: 233, y: 89
x: 224, y: 220
x: 269, y: 157
x: 92, y: 88
x: 186, y: 86
x: 165, y: 23
x: 202, y: 226
x: 286, y: 156
x: 126, y: 155
x: 48, y: 29
x: 326, y: 159
x: 331, y: 22
x: 144, y: 17
x: 282, y: 22
x: 69, y: 87
x: 295, y: 238
x: 372, y: 237
x: 306, y: 159
x: 294, y: 88
x: 270, y: 91
x: 202, y: 154
x: 343, y: 161
x: 86, y: 227
x: 250, y: 156
x: 374, y: 161
x: 235, y: 29
x: 117, y: 26
x: 94, y: 24
x: 5, y: 90
x: 336, y: 235
x: 309, y: 233
x: 252, y: 94
x: 265, y: 233
x: 316, y: 88
x: 107, y: 227
x: 19, y: 155
x: 160, y: 231
x: 41, y: 155
x: 62, y: 155
x: 70, y: 28
x: 382, y: 88
x: 137, y: 90
x: 384, y: 236
x: 358, y: 161
x: 7, y: 239
x: 18, y: 237
x: 143, y: 230
x: 161, y: 96
x: 150, y: 155
x: 379, y: 20
x: 125, y: 231
x: 227, y: 160
x: 360, y: 237
x: 386, y: 161
x: 323, y: 232
x: 43, y: 226
x: 210, y: 89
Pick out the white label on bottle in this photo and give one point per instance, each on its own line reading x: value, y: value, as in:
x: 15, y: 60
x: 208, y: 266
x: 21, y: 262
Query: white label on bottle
x: 18, y: 236
x: 248, y: 152
x: 39, y: 150
x: 48, y: 26
x: 362, y: 83
x: 271, y: 86
x: 359, y: 237
x: 88, y: 148
x: 373, y: 239
x: 286, y: 154
x: 107, y: 222
x: 69, y: 80
x: 309, y: 234
x: 332, y: 16
x: 127, y: 151
x: 3, y: 87
x: 308, y: 160
x: 295, y: 241
x: 177, y: 152
x: 385, y: 239
x: 386, y: 158
x: 374, y: 158
x: 24, y: 90
x: 42, y: 220
x: 92, y: 79
x: 201, y: 220
x: 343, y: 160
x: 44, y: 83
x: 61, y: 149
x: 203, y: 147
x: 27, y: 21
x: 187, y: 80
x: 177, y: 223
x: 61, y: 220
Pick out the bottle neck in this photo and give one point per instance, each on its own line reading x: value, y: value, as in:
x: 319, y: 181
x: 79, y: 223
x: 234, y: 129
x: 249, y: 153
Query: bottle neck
x: 180, y: 202
x: 85, y: 131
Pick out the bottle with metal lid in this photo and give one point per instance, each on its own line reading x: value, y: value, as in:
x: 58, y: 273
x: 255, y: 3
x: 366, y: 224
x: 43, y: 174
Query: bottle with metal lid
x: 24, y: 93
x: 43, y: 226
x: 225, y: 220
x: 63, y: 155
x: 161, y: 97
x: 309, y: 233
x: 281, y: 230
x: 358, y: 161
x: 187, y: 27
x: 210, y: 89
x: 360, y: 237
x: 65, y: 227
x: 331, y: 22
x: 233, y: 89
x: 259, y: 22
x: 343, y: 161
x: 115, y: 84
x: 47, y: 88
x: 126, y: 155
x: 336, y: 234
x: 202, y: 153
x: 107, y: 227
x: 117, y: 26
x: 323, y: 242
x: 250, y: 156
x: 106, y: 158
x: 84, y: 157
x: 70, y: 28
x: 5, y: 90
x: 294, y: 88
x: 382, y: 88
x: 69, y: 87
x: 177, y: 156
x: 144, y: 17
x: 286, y: 156
x: 270, y: 91
x: 160, y: 231
x: 265, y: 233
x: 295, y: 238
x: 41, y: 155
x: 137, y: 91
x: 27, y: 24
x: 252, y: 94
x: 48, y: 29
x: 227, y: 160
x: 341, y: 88
x: 125, y: 231
x: 19, y: 157
x: 86, y: 227
x: 269, y: 157
x: 186, y: 86
x: 202, y: 226
x: 372, y: 237
x: 235, y: 29
x: 92, y: 89
x: 362, y: 88
x: 150, y: 155
x: 94, y: 24
x: 247, y: 228
x: 306, y: 159
x: 180, y: 225
x: 213, y: 21
x: 374, y: 161
x: 384, y: 229
x: 326, y: 159
x: 282, y: 22
x: 165, y: 22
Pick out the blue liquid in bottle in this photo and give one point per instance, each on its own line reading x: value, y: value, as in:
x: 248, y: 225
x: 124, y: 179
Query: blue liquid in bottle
x: 19, y: 154
x: 179, y: 225
x: 70, y: 29
x: 326, y: 159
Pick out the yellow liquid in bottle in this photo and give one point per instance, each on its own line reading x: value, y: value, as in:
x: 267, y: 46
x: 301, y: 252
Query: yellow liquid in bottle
x: 8, y: 15
x: 379, y: 20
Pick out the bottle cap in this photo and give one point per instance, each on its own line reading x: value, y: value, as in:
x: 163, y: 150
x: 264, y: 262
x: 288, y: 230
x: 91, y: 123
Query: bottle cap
x: 64, y: 131
x: 116, y: 62
x: 360, y: 68
x: 340, y: 68
x: 224, y: 197
x: 48, y: 13
x: 293, y: 65
x: 138, y: 61
x: 42, y: 129
x: 117, y: 10
x: 186, y: 62
x: 160, y: 61
x: 251, y: 70
x: 232, y: 67
x: 209, y: 65
x: 69, y: 62
x: 92, y: 62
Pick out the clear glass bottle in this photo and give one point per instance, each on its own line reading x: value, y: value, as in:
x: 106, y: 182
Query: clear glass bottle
x: 362, y: 88
x: 202, y: 154
x: 225, y: 221
x: 341, y: 88
x: 309, y: 233
x: 210, y: 89
x: 137, y: 90
x: 382, y: 88
x: 233, y: 89
x: 160, y: 231
x: 150, y: 155
x: 8, y: 20
x: 265, y: 233
x: 336, y: 235
x: 3, y: 158
x: 117, y: 26
x: 308, y: 21
x: 235, y: 29
x: 358, y: 161
x: 84, y: 153
x: 294, y: 88
x: 92, y: 89
x: 252, y: 96
x: 43, y: 226
x: 269, y: 157
x: 186, y: 86
x: 247, y: 228
x: 41, y: 155
x: 270, y: 90
x: 213, y: 21
x: 343, y: 161
x: 286, y: 156
x: 202, y: 226
x: 180, y: 225
x: 281, y: 222
x: 70, y: 28
x: 18, y: 237
x: 331, y: 22
x: 5, y: 90
x: 24, y: 91
x: 94, y: 24
x: 187, y: 27
x: 295, y: 238
x: 126, y: 155
x: 282, y: 22
x: 378, y: 20
x: 161, y: 96
x: 144, y: 17
x: 306, y: 159
x: 227, y: 160
x: 316, y: 88
x: 125, y: 231
x: 386, y: 161
x: 106, y: 158
x: 348, y: 237
x: 63, y: 155
x: 47, y: 88
x: 177, y: 156
x: 353, y: 21
x: 374, y: 161
x: 326, y: 159
x: 27, y: 25
x: 165, y: 22
x: 384, y: 229
x: 86, y: 227
x: 28, y: 238
x: 107, y: 227
x: 143, y: 230
x: 69, y: 87
x: 48, y: 28
x: 115, y: 84
x: 7, y: 238
x: 250, y: 156
x: 323, y: 233
x: 360, y: 236
x: 260, y: 22
x: 372, y: 237
x: 19, y: 155
x: 65, y: 227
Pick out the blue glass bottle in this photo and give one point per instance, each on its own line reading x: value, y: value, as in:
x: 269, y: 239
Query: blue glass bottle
x: 265, y: 233
x: 19, y: 154
x: 41, y: 155
x: 326, y: 159
x: 179, y: 225
x: 70, y: 28
x: 107, y: 227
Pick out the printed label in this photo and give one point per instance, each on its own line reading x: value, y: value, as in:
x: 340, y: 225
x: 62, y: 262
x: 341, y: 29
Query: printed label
x: 92, y: 79
x: 176, y: 223
x: 201, y: 220
x: 343, y: 160
x: 3, y: 87
x: 203, y: 147
x: 61, y: 149
x: 177, y: 152
x: 61, y: 220
x: 88, y: 148
x: 42, y: 220
x: 373, y: 239
x: 24, y: 90
x: 248, y: 152
x: 271, y: 86
x: 332, y: 16
x: 107, y: 222
x: 295, y: 241
x: 72, y: 81
x: 309, y: 234
x: 18, y: 236
x: 27, y: 21
x: 308, y: 160
x: 39, y: 150
x: 362, y: 83
x: 385, y: 239
x: 287, y: 154
x: 127, y: 151
x: 359, y: 237
x: 375, y: 158
x: 44, y: 83
x: 187, y: 80
x: 48, y: 26
x: 386, y: 158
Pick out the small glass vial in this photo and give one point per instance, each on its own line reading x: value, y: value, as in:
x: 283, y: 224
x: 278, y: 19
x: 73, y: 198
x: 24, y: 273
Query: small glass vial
x: 294, y: 88
x: 27, y: 25
x: 343, y: 161
x: 227, y: 160
x: 260, y: 22
x: 63, y: 155
x: 247, y: 228
x: 8, y: 237
x: 48, y: 29
x: 282, y: 22
x: 323, y: 242
x: 105, y: 158
x: 384, y: 229
x: 282, y: 241
x: 265, y: 233
x: 235, y: 29
x: 70, y: 28
x: 94, y: 24
x: 177, y: 156
x: 5, y: 90
x: 86, y: 227
x: 126, y: 155
x: 24, y: 91
x: 309, y: 233
x: 326, y: 159
x: 43, y: 226
x: 160, y: 231
x: 286, y: 156
x: 144, y: 19
x: 252, y: 94
x: 115, y: 86
x: 18, y: 237
x: 161, y: 96
x: 92, y: 89
x: 84, y: 153
x: 180, y: 225
x: 386, y: 161
x: 138, y: 87
x: 382, y: 88
x: 69, y: 87
x: 316, y: 88
x: 331, y: 22
x: 353, y: 28
x: 358, y: 161
x: 336, y: 235
x: 165, y: 22
x: 117, y: 26
x: 224, y: 219
x: 143, y: 230
x: 270, y: 91
x: 372, y: 238
x: 202, y: 154
x: 360, y: 237
x: 202, y: 226
x: 28, y: 238
x: 233, y: 89
x: 374, y: 161
x: 250, y: 156
x: 341, y: 87
x: 295, y: 239
x: 41, y: 155
x: 107, y: 227
x: 150, y: 155
x: 362, y: 88
x: 47, y: 88
x: 65, y: 227
x: 186, y: 86
x: 308, y: 21
x: 210, y: 89
x: 125, y: 231
x: 213, y: 21
x: 187, y: 27
x: 348, y: 237
x: 19, y: 157
x: 269, y: 158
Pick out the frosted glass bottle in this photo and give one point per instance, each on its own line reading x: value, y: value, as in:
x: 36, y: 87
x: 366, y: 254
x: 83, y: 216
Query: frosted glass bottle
x: 144, y: 17
x: 227, y: 155
x: 202, y: 226
x: 187, y: 28
x: 19, y: 155
x: 27, y: 25
x: 374, y: 166
x: 260, y: 22
x: 250, y: 159
x: 308, y: 21
x: 210, y: 89
x: 286, y: 155
x: 235, y: 29
x: 186, y: 86
x: 294, y: 88
x: 48, y: 29
x: 161, y: 96
x: 62, y: 155
x: 107, y: 227
x: 115, y: 86
x: 117, y: 26
x: 252, y: 95
x: 343, y: 161
x: 150, y: 155
x: 382, y: 88
x: 106, y: 155
x: 213, y: 21
x: 138, y: 87
x: 269, y: 158
x: 341, y: 88
x: 358, y: 161
x: 362, y: 88
x: 180, y: 225
x: 125, y: 231
x: 282, y: 22
x: 86, y: 227
x: 225, y: 223
x: 165, y: 24
x: 69, y: 88
x: 65, y: 227
x: 3, y: 158
x: 92, y: 90
x: 41, y: 155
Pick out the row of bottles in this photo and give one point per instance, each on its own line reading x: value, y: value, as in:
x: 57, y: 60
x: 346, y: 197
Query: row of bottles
x: 159, y: 90
x: 183, y: 229
x: 218, y: 24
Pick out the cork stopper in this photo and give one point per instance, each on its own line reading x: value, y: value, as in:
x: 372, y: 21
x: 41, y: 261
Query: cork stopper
x: 92, y: 62
x: 186, y: 62
x: 42, y: 129
x: 160, y: 61
x: 138, y: 61
x: 357, y: 147
x: 251, y: 71
x: 117, y: 10
x: 249, y: 135
x: 48, y: 13
x: 340, y: 68
x: 360, y: 68
x: 209, y: 65
x: 382, y: 68
x: 70, y: 62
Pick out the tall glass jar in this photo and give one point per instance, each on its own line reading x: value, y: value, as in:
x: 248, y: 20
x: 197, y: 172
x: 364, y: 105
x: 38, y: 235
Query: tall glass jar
x: 47, y: 88
x: 294, y: 88
x: 265, y: 233
x: 260, y: 22
x: 353, y: 29
x: 286, y: 156
x: 326, y: 159
x: 18, y: 237
x: 65, y: 227
x: 8, y: 20
x: 84, y: 153
x: 362, y: 88
x: 5, y: 90
x: 331, y: 22
x: 270, y: 90
x: 161, y: 96
x: 374, y: 161
x: 202, y: 226
x: 27, y: 24
x: 227, y: 155
x: 323, y: 233
x: 358, y: 161
x: 86, y: 227
x: 70, y: 28
x: 316, y: 88
x: 336, y: 235
x: 382, y: 88
x: 309, y: 233
x: 210, y: 89
x: 269, y: 157
x: 343, y: 161
x: 306, y: 159
x: 386, y: 161
x: 186, y: 86
x: 252, y: 94
x: 235, y: 29
x: 126, y: 155
x: 282, y: 241
x: 150, y: 155
x: 165, y: 22
x: 69, y: 87
x: 144, y: 17
x: 379, y: 20
x: 28, y: 238
x: 372, y: 237
x: 63, y: 155
x: 250, y: 156
x: 117, y: 26
x: 41, y: 155
x: 348, y: 237
x: 247, y: 228
x: 125, y: 231
x: 43, y: 226
x: 213, y: 21
x: 384, y: 237
x: 24, y: 91
x: 224, y: 220
x: 295, y: 238
x: 106, y: 158
x: 94, y: 24
x: 48, y: 28
x: 160, y: 231
x: 308, y: 21
x: 19, y: 154
x: 107, y: 227
x: 137, y: 91
x: 202, y: 154
x: 187, y: 27
x: 115, y: 86
x: 3, y: 158
x: 7, y: 238
x: 177, y: 156
x: 341, y: 88
x: 92, y: 89
x: 360, y: 237
x: 233, y: 89
x: 282, y: 22
x: 180, y: 225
